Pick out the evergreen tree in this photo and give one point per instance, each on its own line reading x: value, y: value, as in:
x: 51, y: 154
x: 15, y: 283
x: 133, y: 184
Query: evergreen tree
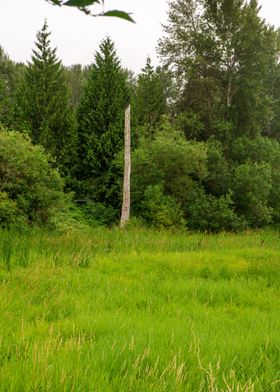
x: 43, y: 104
x: 150, y: 97
x: 10, y: 74
x: 101, y: 126
x: 76, y: 76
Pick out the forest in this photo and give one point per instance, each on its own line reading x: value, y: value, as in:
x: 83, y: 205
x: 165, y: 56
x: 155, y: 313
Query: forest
x: 205, y: 128
x: 185, y: 297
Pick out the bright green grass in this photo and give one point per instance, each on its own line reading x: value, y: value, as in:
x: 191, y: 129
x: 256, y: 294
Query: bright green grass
x: 139, y: 311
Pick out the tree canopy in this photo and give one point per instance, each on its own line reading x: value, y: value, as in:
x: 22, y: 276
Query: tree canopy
x: 101, y: 123
x: 205, y: 122
x: 43, y: 105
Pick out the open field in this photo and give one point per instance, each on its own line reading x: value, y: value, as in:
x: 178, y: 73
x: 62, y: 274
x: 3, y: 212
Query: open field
x: 139, y: 311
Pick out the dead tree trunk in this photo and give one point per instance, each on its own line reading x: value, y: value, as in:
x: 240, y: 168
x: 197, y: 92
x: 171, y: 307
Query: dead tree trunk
x: 127, y: 170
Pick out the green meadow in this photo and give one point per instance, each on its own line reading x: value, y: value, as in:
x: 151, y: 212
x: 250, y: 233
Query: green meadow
x: 139, y: 310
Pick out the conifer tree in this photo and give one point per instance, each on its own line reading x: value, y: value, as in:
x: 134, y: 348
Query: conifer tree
x: 10, y: 74
x: 43, y: 104
x: 150, y: 97
x: 101, y: 125
x: 76, y: 76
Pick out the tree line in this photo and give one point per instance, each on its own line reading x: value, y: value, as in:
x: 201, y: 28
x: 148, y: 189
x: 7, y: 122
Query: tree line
x: 205, y: 127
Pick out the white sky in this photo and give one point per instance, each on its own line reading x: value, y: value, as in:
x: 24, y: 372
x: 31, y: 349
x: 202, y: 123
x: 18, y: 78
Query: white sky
x: 77, y: 36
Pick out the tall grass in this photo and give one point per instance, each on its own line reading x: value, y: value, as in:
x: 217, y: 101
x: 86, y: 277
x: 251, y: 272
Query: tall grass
x: 139, y: 311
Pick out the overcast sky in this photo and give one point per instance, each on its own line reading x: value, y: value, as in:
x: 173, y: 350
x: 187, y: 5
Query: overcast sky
x: 77, y: 36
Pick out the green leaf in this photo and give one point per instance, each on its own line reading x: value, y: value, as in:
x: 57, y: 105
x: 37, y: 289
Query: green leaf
x: 119, y: 14
x: 80, y: 3
x: 56, y: 2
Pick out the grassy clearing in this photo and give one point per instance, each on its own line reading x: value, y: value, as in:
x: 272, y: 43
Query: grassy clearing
x: 139, y: 311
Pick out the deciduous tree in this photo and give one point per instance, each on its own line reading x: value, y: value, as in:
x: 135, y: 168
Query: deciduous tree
x: 223, y: 56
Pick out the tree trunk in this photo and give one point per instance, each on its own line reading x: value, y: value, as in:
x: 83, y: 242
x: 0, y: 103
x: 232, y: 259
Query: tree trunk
x: 127, y: 170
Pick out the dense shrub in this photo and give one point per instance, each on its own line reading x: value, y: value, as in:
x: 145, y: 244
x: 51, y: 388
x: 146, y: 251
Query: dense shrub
x: 274, y: 196
x: 259, y: 149
x: 96, y: 214
x: 176, y: 182
x: 252, y: 184
x: 210, y: 213
x: 161, y: 210
x: 163, y: 172
x: 168, y: 160
x: 9, y: 211
x: 31, y: 190
x: 218, y: 170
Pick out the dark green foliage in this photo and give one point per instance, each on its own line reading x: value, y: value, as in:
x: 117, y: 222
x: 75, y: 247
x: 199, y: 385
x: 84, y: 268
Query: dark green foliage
x: 136, y: 131
x: 219, y: 169
x: 101, y: 126
x: 252, y: 184
x: 190, y: 123
x: 31, y: 191
x: 43, y: 107
x: 255, y: 179
x: 224, y: 59
x: 273, y: 127
x: 150, y: 97
x: 161, y: 210
x: 75, y: 77
x: 274, y: 197
x: 257, y: 149
x: 10, y: 74
x: 205, y: 124
x: 98, y: 214
x: 168, y: 159
x: 164, y: 172
x: 257, y: 54
x: 6, y: 81
x: 210, y: 213
x: 9, y: 212
x: 215, y: 188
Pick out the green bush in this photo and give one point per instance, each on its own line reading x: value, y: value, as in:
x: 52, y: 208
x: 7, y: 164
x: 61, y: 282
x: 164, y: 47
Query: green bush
x: 161, y: 210
x: 274, y: 197
x: 256, y: 179
x: 218, y: 176
x: 175, y: 181
x: 252, y: 185
x: 31, y: 190
x: 96, y: 214
x: 168, y: 160
x: 213, y: 214
x: 9, y: 212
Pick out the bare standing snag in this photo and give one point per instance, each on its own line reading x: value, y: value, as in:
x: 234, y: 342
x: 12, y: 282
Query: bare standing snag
x: 127, y: 170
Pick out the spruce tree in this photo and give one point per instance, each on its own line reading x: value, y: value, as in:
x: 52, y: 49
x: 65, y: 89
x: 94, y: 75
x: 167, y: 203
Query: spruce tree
x: 150, y: 97
x: 101, y: 126
x: 43, y: 104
